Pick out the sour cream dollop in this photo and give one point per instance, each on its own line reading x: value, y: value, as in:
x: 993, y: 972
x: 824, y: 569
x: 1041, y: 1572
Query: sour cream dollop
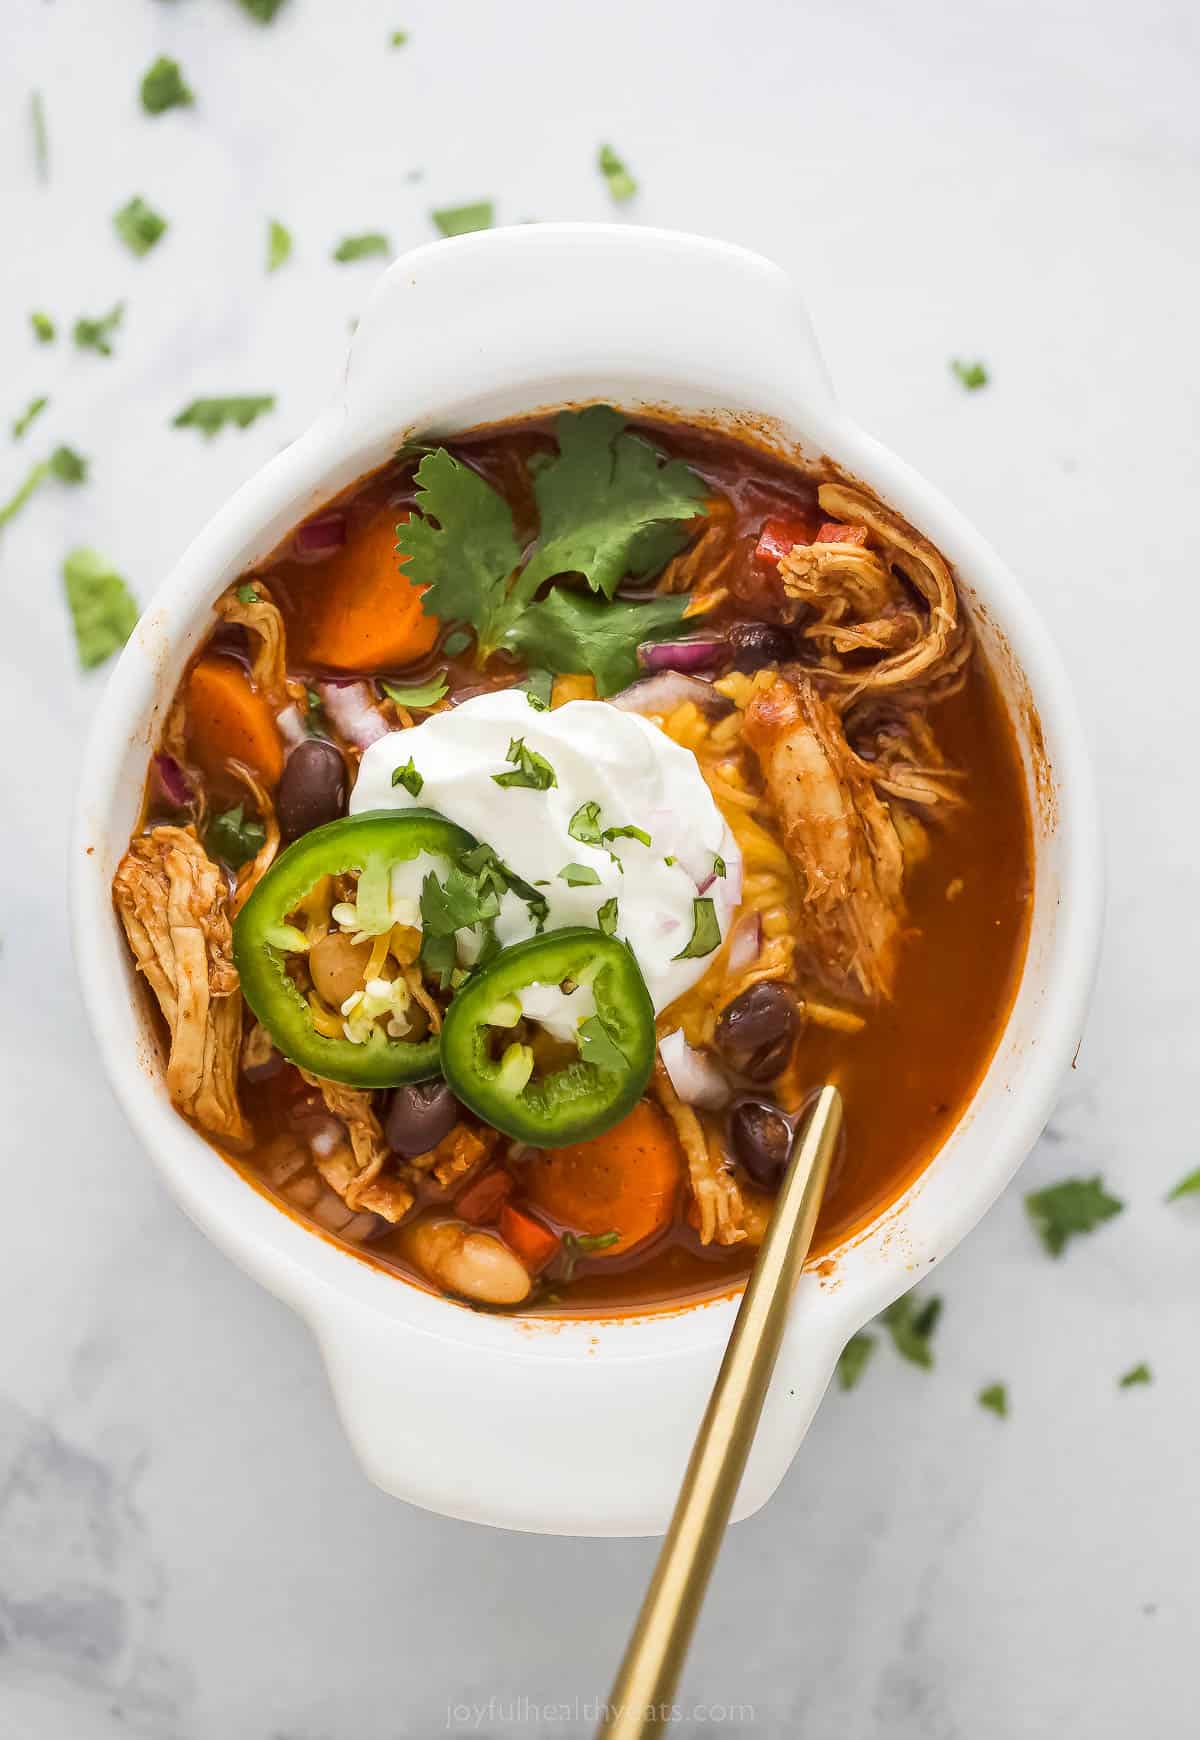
x: 619, y: 761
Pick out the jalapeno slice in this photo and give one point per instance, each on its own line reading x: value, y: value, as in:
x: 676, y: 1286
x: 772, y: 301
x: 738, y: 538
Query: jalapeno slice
x: 266, y: 938
x: 498, y: 1077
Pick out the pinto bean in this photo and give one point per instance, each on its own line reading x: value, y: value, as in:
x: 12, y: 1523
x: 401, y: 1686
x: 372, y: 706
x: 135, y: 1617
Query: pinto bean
x: 337, y: 965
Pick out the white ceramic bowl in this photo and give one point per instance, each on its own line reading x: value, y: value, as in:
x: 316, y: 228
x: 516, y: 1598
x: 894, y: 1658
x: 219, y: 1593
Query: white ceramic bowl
x: 581, y: 1427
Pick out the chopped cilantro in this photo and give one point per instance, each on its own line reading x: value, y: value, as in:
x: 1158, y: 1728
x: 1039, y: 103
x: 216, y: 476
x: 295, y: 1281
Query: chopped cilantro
x: 97, y: 334
x: 67, y: 465
x: 1077, y: 1205
x: 233, y: 839
x: 32, y: 410
x: 163, y: 87
x: 621, y: 184
x: 460, y: 220
x: 439, y: 956
x: 597, y: 1047
x: 578, y: 875
x: 409, y: 778
x: 529, y: 768
x: 247, y: 595
x: 584, y: 825
x: 911, y: 1324
x: 398, y: 38
x: 43, y: 327
x: 418, y: 694
x: 706, y: 931
x: 854, y: 1359
x: 576, y: 1245
x: 41, y: 137
x: 1140, y: 1374
x: 1187, y: 1186
x: 719, y: 868
x: 606, y: 917
x: 263, y: 10
x: 279, y: 245
x: 64, y: 464
x: 139, y: 226
x: 568, y: 632
x: 362, y: 247
x: 102, y: 609
x: 995, y: 1397
x: 972, y: 375
x: 626, y: 833
x: 538, y: 687
x: 211, y: 415
x: 457, y: 641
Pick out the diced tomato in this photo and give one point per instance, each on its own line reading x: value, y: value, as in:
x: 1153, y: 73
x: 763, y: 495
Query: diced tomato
x: 777, y: 538
x: 483, y: 1198
x: 531, y: 1239
x: 833, y: 532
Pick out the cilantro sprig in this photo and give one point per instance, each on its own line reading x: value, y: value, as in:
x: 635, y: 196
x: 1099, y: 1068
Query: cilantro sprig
x: 64, y: 465
x: 164, y: 87
x: 211, y: 415
x: 139, y: 226
x: 103, y: 611
x: 97, y: 334
x: 1062, y: 1211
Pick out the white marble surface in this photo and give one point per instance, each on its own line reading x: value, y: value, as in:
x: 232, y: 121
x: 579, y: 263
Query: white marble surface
x: 186, y: 1548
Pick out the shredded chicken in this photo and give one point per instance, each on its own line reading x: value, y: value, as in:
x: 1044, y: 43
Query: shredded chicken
x: 715, y: 1190
x: 896, y: 746
x: 839, y: 835
x: 172, y: 901
x: 701, y: 569
x: 260, y: 616
x: 356, y: 1172
x: 458, y: 1153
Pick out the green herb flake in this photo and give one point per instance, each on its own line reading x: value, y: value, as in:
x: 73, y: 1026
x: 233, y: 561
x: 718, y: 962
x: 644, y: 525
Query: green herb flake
x: 1062, y: 1211
x: 568, y: 632
x: 398, y: 38
x: 628, y: 832
x: 598, y: 1048
x: 537, y: 687
x: 578, y: 876
x: 1140, y: 1374
x: 584, y: 825
x: 409, y: 778
x: 41, y: 136
x: 419, y: 694
x: 67, y: 465
x: 854, y: 1359
x: 457, y: 641
x: 43, y: 327
x: 163, y: 87
x: 247, y: 595
x: 911, y: 1323
x: 621, y: 184
x: 706, y: 931
x: 972, y: 375
x: 64, y: 464
x: 576, y: 1245
x: 233, y: 839
x: 719, y: 868
x: 363, y: 247
x: 139, y: 226
x: 102, y: 608
x: 439, y: 957
x: 32, y: 410
x: 211, y: 415
x: 529, y: 768
x: 97, y: 334
x: 279, y: 245
x: 262, y: 10
x: 606, y: 917
x: 461, y: 220
x: 995, y: 1397
x: 1187, y: 1186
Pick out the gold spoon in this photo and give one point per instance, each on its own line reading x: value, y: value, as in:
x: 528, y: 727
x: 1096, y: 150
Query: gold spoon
x: 639, y: 1704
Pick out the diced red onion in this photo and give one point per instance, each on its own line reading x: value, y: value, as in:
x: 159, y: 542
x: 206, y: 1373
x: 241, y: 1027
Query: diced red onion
x: 176, y: 787
x: 354, y: 711
x: 694, y: 1076
x: 317, y: 537
x: 290, y: 721
x: 745, y: 943
x: 666, y: 691
x: 697, y: 653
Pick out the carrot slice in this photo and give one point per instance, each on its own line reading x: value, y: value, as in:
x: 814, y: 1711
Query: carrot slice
x: 366, y: 614
x: 625, y: 1181
x: 533, y: 1242
x: 228, y: 720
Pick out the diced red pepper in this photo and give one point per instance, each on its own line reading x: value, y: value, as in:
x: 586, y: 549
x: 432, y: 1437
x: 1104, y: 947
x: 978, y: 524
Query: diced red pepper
x: 483, y: 1198
x: 531, y: 1239
x: 777, y: 538
x: 833, y: 532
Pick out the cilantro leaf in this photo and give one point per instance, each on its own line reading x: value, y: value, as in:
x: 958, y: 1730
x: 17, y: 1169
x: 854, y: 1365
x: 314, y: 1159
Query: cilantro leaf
x: 246, y: 594
x: 279, y: 245
x: 439, y: 956
x: 64, y: 464
x: 418, y: 694
x: 398, y: 38
x: 706, y: 931
x: 621, y: 184
x: 1187, y: 1186
x: 462, y: 901
x: 578, y: 875
x: 163, y: 87
x: 67, y: 465
x: 457, y: 641
x: 597, y: 1047
x: 602, y: 492
x: 911, y: 1324
x: 362, y: 247
x: 537, y: 687
x: 1140, y: 1374
x: 409, y: 778
x: 32, y: 410
x: 462, y: 548
x: 972, y: 375
x: 97, y: 334
x: 139, y: 226
x: 233, y: 839
x: 854, y: 1359
x: 461, y: 220
x: 210, y: 415
x: 584, y: 825
x: 102, y: 609
x: 995, y: 1397
x: 1077, y: 1205
x: 719, y: 866
x: 41, y: 137
x: 568, y: 632
x: 606, y: 916
x: 629, y: 832
x: 43, y: 327
x: 263, y: 10
x: 529, y: 768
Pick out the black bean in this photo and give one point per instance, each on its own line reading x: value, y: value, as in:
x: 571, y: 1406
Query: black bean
x: 762, y: 1019
x: 312, y: 788
x: 421, y: 1113
x: 757, y: 644
x: 761, y: 1137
